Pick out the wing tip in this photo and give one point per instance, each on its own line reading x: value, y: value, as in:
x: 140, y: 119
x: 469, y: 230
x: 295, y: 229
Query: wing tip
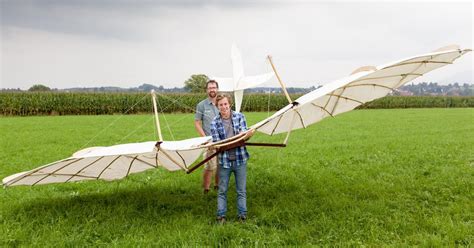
x: 447, y: 48
x: 364, y: 68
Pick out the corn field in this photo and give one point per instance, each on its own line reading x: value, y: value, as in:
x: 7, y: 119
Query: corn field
x: 59, y: 103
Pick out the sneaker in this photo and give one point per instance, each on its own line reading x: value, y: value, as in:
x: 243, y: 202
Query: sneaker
x: 242, y: 218
x: 206, y: 191
x: 220, y: 219
x: 216, y: 187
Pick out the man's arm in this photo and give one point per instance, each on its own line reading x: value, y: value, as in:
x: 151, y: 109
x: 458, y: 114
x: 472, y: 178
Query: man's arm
x: 198, y: 126
x: 198, y: 117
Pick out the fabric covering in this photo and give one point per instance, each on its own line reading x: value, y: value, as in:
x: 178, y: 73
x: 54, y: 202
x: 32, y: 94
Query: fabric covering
x: 114, y: 162
x: 365, y: 85
x: 238, y: 83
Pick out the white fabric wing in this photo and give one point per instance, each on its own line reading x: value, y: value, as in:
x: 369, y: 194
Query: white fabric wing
x: 347, y: 93
x: 225, y: 84
x: 228, y: 85
x: 239, y: 82
x: 114, y: 162
x: 253, y: 81
x: 238, y: 87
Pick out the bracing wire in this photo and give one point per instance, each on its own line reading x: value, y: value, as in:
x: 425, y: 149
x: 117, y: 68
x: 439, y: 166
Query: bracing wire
x: 174, y: 101
x: 162, y: 109
x: 138, y: 128
x: 268, y: 68
x: 113, y: 122
x: 245, y: 103
x: 268, y: 105
x: 179, y: 103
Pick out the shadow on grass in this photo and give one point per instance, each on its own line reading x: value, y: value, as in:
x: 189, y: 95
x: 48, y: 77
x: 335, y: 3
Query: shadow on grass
x: 137, y: 201
x: 146, y: 200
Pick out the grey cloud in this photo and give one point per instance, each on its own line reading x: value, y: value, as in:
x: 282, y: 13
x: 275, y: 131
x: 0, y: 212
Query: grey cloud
x: 99, y: 19
x: 168, y: 40
x: 104, y: 19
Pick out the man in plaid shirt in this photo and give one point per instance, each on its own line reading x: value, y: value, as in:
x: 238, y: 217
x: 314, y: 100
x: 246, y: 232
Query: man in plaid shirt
x: 226, y: 125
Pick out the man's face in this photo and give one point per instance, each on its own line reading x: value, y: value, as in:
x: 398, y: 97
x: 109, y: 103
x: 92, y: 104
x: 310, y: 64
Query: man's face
x: 211, y: 90
x: 224, y: 106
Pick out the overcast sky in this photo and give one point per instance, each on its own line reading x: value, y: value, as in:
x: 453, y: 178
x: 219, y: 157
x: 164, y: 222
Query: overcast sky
x: 74, y: 43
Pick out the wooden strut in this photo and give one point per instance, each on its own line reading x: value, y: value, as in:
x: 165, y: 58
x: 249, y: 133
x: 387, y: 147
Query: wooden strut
x: 265, y: 144
x: 279, y: 80
x: 157, y: 120
x: 201, y: 163
x: 231, y: 146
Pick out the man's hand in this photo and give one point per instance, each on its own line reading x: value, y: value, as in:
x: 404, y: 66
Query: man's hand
x: 249, y: 134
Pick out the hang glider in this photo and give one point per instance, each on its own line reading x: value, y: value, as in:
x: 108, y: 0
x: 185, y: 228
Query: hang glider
x: 116, y: 162
x: 239, y: 82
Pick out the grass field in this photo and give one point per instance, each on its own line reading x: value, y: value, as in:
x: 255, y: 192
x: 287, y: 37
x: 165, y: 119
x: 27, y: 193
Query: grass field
x: 367, y: 177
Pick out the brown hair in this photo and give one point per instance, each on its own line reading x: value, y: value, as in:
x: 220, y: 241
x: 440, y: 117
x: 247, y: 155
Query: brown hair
x: 221, y: 96
x: 212, y: 81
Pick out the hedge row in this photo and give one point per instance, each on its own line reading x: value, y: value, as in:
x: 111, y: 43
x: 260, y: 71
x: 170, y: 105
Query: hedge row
x: 420, y: 102
x: 55, y: 103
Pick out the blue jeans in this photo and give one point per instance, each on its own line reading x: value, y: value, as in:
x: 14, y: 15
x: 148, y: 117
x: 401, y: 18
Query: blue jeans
x: 240, y: 174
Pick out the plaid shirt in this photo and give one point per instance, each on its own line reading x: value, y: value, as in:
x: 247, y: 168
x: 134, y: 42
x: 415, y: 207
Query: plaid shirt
x: 218, y: 133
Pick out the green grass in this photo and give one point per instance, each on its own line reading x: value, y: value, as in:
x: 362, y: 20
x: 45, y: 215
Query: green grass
x: 368, y: 177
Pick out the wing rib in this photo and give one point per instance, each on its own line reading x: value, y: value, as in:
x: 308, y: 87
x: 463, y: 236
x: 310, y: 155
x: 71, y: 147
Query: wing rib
x: 375, y: 85
x: 85, y: 167
x: 325, y: 110
x: 56, y: 171
x: 173, y: 160
x: 184, y: 162
x: 147, y: 163
x: 100, y: 174
x: 301, y: 118
x: 130, y: 166
x: 421, y: 62
x: 276, y: 125
x: 347, y: 98
x: 397, y: 75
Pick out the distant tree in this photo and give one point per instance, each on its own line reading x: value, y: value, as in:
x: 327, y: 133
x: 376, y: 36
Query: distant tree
x: 39, y: 87
x: 147, y: 87
x: 196, y: 83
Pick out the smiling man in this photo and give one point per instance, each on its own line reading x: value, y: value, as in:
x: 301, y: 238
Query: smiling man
x: 206, y: 110
x: 226, y: 125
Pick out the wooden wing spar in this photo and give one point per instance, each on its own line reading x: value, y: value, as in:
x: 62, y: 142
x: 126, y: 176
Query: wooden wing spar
x: 116, y: 162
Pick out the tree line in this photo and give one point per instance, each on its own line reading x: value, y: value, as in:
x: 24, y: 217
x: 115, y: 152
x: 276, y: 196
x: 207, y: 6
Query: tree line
x: 197, y: 82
